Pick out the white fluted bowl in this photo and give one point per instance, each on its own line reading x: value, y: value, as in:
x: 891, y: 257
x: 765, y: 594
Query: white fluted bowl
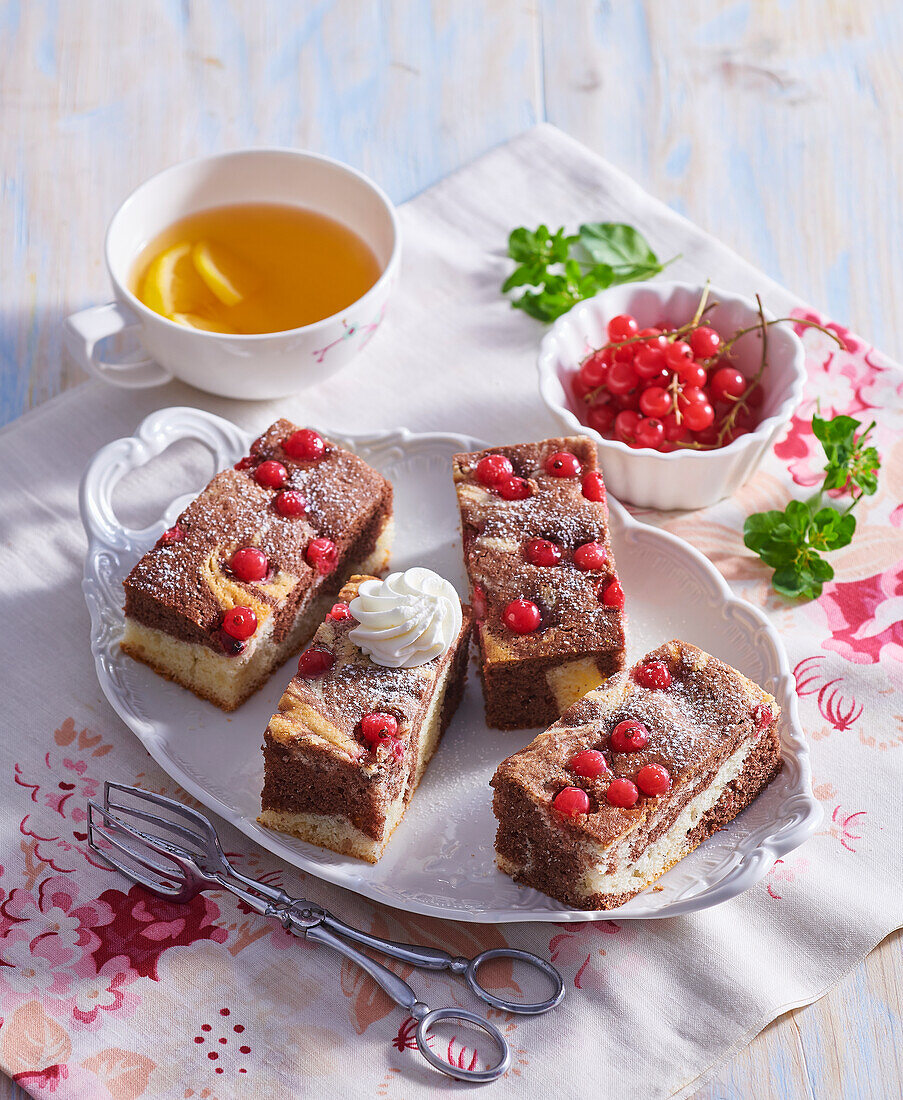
x: 681, y: 478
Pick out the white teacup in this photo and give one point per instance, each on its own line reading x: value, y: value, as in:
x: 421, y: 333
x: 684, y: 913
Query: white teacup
x: 266, y: 365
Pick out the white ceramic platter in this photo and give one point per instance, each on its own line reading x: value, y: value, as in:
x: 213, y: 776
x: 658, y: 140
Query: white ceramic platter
x: 440, y: 860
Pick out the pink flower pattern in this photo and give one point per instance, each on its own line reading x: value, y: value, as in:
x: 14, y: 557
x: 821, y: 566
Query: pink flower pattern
x: 841, y: 382
x: 866, y: 617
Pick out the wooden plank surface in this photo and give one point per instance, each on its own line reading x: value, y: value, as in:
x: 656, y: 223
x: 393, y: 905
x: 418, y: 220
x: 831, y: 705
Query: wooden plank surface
x: 773, y: 125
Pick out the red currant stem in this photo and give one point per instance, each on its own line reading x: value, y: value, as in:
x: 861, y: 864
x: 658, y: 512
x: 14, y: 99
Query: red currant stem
x: 673, y: 390
x: 728, y: 345
x: 701, y: 307
x: 742, y: 402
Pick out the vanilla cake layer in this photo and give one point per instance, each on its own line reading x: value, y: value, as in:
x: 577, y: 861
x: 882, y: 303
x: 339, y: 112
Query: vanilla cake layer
x: 712, y: 730
x: 227, y: 681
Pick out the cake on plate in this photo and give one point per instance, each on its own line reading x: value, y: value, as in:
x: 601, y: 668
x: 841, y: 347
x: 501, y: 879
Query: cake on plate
x: 245, y: 575
x: 634, y: 776
x: 358, y: 724
x: 547, y: 603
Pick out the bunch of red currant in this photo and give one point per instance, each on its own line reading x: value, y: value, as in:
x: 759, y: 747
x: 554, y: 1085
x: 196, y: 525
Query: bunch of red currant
x: 665, y: 388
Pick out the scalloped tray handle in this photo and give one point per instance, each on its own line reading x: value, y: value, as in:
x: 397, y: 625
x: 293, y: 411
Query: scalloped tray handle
x: 155, y: 433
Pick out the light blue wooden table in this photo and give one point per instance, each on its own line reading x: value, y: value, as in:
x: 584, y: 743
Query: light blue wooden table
x: 774, y: 125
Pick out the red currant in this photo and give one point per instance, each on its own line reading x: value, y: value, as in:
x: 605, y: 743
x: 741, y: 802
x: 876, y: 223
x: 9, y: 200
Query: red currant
x: 580, y: 388
x: 171, y: 535
x: 755, y: 397
x: 601, y: 417
x: 655, y: 401
x: 571, y: 802
x: 339, y: 611
x: 591, y: 555
x: 690, y: 373
x: 727, y: 384
x: 593, y: 487
x: 650, y: 433
x: 697, y: 416
x: 629, y: 736
x: 662, y: 379
x: 305, y: 446
x: 231, y: 646
x: 515, y: 488
x: 622, y: 793
x: 653, y: 780
x: 594, y: 370
x: 249, y: 564
x: 622, y: 327
x: 705, y: 342
x: 493, y: 470
x: 314, y: 662
x: 692, y: 395
x: 290, y: 503
x: 625, y: 426
x: 378, y: 727
x: 563, y: 464
x: 590, y: 764
x: 478, y: 603
x: 629, y: 401
x: 613, y: 595
x: 622, y: 378
x: 322, y: 554
x: 675, y: 432
x: 649, y: 361
x: 522, y: 616
x: 763, y: 715
x: 542, y: 552
x: 654, y: 338
x: 678, y: 353
x: 271, y: 474
x: 240, y: 622
x: 654, y: 675
x: 708, y: 435
x: 245, y: 463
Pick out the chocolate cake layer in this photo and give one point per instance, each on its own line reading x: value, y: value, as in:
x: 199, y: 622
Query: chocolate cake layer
x: 317, y: 766
x: 713, y: 731
x: 182, y: 588
x: 530, y: 678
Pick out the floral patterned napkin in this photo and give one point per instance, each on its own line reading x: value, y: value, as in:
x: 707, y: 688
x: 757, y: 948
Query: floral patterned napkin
x: 106, y: 991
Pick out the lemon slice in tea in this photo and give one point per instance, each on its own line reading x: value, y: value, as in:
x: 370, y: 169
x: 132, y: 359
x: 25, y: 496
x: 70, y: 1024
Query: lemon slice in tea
x: 223, y: 273
x: 207, y: 324
x: 171, y: 284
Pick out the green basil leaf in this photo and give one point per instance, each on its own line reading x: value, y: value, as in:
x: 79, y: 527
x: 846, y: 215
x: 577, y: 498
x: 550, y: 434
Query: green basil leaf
x: 618, y: 245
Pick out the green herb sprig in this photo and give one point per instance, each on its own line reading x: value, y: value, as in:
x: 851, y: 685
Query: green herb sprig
x: 560, y: 270
x: 792, y: 541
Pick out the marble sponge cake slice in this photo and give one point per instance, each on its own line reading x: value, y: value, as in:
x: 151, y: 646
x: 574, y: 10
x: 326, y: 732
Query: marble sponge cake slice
x: 548, y: 605
x: 245, y: 575
x: 358, y: 724
x: 634, y: 776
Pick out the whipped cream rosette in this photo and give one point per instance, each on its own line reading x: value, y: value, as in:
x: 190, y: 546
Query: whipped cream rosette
x: 407, y: 619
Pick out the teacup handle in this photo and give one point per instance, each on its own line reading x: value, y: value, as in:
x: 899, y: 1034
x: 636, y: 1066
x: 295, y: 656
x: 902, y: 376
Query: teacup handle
x: 86, y: 329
